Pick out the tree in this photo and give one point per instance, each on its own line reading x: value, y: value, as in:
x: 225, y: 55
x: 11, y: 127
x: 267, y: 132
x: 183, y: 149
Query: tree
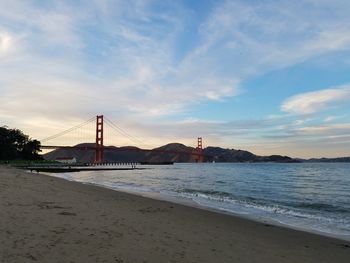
x: 14, y: 144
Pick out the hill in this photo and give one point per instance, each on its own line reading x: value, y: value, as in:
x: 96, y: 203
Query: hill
x: 218, y: 154
x: 172, y: 152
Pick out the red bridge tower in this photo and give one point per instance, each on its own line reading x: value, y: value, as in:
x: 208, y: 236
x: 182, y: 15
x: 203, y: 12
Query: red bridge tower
x: 99, y: 156
x: 199, y: 150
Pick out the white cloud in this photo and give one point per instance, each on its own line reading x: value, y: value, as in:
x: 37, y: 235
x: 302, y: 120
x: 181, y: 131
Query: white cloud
x: 272, y: 35
x: 123, y: 58
x: 128, y: 49
x: 311, y: 102
x: 333, y: 118
x: 343, y: 128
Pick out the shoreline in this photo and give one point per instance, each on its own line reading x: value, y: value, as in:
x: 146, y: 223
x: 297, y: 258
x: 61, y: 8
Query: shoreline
x: 259, y: 220
x: 44, y: 216
x: 192, y: 203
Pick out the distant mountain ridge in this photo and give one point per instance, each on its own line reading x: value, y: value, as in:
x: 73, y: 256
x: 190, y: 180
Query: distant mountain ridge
x: 172, y: 152
x: 231, y: 155
x: 328, y: 160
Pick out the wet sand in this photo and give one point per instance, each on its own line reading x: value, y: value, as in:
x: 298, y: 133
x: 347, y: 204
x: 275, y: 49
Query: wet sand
x: 47, y: 219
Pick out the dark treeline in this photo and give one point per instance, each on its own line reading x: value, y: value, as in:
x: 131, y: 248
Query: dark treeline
x: 15, y: 145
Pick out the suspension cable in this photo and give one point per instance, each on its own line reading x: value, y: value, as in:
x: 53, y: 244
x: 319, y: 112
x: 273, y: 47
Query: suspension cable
x: 123, y: 132
x: 68, y: 130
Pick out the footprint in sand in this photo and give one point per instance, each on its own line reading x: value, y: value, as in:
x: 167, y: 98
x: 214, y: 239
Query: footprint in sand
x: 65, y: 213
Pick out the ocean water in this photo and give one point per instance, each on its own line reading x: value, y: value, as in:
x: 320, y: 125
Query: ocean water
x: 309, y: 196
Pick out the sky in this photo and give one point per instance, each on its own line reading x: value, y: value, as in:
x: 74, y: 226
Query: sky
x: 271, y: 77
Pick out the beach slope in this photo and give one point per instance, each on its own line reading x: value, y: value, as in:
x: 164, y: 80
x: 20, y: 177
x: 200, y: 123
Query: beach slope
x: 47, y: 219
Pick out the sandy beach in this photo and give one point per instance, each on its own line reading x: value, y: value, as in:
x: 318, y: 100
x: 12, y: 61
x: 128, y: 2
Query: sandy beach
x: 47, y: 219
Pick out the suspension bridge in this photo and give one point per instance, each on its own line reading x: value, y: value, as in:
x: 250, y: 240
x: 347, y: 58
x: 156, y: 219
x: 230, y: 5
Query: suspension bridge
x: 96, y: 127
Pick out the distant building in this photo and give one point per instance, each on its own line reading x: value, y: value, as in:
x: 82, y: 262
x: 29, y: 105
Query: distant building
x: 68, y: 160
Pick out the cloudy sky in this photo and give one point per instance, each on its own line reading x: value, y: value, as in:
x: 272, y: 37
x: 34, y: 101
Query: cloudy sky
x: 272, y: 77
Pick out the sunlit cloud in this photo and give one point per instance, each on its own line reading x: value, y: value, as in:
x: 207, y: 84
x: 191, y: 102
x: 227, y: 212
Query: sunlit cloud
x: 5, y: 43
x: 334, y: 118
x: 148, y: 64
x: 343, y: 128
x: 311, y: 102
x: 8, y: 44
x: 252, y: 41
